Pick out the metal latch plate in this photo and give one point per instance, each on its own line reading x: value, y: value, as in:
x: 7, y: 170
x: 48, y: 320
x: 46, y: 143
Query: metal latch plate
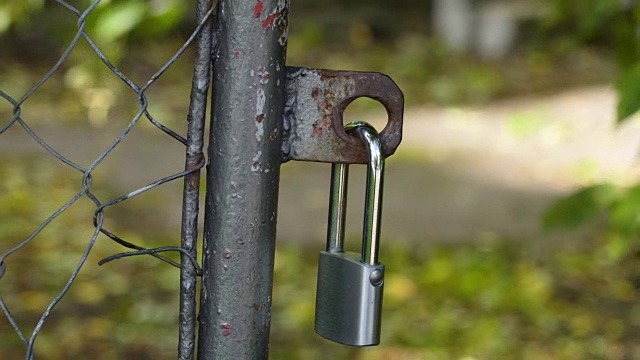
x: 313, y: 128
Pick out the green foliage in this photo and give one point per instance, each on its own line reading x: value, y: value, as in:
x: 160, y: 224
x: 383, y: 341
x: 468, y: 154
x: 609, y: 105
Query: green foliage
x: 353, y: 35
x: 118, y: 20
x: 627, y: 51
x: 628, y: 86
x: 586, y: 20
x: 17, y: 13
x: 572, y: 211
x: 575, y: 24
x: 623, y: 223
x: 484, y: 301
x: 126, y: 309
x: 622, y: 205
x: 109, y: 21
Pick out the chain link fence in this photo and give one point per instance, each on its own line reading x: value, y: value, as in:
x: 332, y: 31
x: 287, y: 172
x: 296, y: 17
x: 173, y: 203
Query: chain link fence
x: 15, y: 121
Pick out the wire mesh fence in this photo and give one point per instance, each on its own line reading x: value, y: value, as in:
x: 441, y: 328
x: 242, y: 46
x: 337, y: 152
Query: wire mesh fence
x: 85, y: 176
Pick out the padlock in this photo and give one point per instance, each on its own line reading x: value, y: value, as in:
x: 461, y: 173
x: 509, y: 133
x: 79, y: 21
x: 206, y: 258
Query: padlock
x: 350, y: 285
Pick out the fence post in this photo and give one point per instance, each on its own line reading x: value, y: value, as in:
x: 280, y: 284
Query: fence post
x: 191, y: 192
x: 243, y: 179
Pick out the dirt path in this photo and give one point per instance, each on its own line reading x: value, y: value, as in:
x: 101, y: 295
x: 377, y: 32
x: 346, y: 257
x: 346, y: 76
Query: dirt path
x: 460, y: 174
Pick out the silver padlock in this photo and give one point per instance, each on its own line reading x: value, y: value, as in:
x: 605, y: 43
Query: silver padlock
x: 350, y: 285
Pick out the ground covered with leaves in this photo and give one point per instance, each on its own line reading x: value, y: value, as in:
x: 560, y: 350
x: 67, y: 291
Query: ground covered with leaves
x: 487, y: 299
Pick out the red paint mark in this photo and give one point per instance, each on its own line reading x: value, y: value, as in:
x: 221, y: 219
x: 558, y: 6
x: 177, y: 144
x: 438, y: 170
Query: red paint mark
x: 226, y: 332
x: 269, y: 21
x: 257, y: 10
x: 226, y: 255
x: 237, y: 53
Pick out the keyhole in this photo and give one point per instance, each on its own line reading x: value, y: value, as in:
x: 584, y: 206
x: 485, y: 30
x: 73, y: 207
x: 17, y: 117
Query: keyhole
x: 368, y: 110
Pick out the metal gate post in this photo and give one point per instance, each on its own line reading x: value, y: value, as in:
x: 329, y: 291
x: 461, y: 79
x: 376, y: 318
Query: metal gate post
x: 242, y: 179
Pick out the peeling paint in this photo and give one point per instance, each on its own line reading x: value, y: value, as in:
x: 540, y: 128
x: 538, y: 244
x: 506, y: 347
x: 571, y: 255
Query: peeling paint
x: 312, y: 126
x: 263, y: 75
x: 283, y: 33
x: 256, y: 166
x: 257, y: 157
x: 259, y: 127
x: 260, y: 102
x: 278, y: 19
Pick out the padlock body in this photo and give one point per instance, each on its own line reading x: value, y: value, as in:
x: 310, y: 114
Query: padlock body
x: 348, y: 302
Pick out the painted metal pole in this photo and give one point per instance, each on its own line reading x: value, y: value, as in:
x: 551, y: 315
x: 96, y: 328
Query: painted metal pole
x: 193, y: 160
x: 242, y: 179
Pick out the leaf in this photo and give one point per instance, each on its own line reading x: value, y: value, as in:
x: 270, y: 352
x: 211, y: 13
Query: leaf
x: 625, y: 42
x: 617, y: 246
x: 625, y: 213
x: 628, y: 85
x: 578, y: 208
x: 119, y: 19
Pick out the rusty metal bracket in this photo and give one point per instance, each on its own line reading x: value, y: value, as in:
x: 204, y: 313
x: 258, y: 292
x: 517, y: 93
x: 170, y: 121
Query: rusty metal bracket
x: 313, y: 128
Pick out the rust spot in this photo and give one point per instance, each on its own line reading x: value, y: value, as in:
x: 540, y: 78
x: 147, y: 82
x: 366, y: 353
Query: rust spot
x: 257, y: 9
x: 328, y: 74
x: 260, y: 118
x: 263, y: 75
x: 196, y: 162
x: 331, y: 92
x: 283, y: 32
x: 193, y: 179
x: 273, y: 135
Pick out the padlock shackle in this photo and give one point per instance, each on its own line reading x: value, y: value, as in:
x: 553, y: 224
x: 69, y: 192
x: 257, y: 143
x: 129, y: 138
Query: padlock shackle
x: 337, y: 207
x: 373, y: 198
